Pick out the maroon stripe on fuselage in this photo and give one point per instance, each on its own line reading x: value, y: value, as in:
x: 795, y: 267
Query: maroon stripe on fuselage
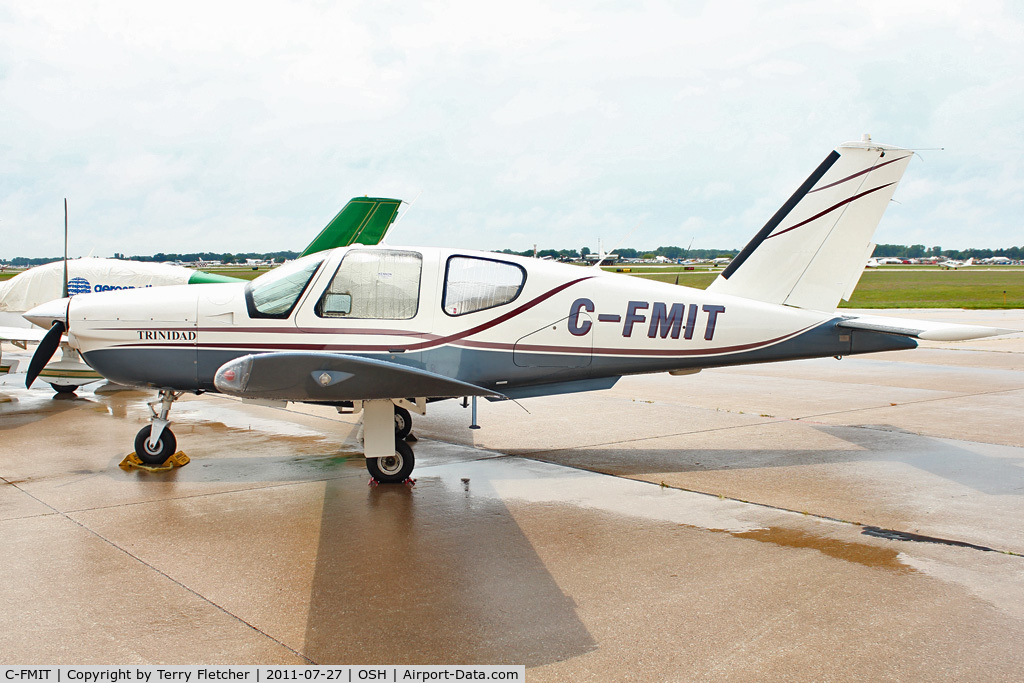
x: 493, y: 346
x: 500, y: 319
x: 609, y: 351
x: 290, y: 329
x: 431, y: 339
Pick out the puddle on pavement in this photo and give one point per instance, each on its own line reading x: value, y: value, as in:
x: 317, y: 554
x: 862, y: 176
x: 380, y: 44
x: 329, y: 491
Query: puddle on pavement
x: 859, y: 553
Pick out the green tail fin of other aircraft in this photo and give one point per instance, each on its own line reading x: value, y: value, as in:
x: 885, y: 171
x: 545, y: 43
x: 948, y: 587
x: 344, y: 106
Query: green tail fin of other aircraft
x: 364, y: 220
x: 201, y: 277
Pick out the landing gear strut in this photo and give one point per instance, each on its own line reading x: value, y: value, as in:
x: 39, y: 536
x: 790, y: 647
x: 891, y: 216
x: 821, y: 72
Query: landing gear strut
x: 155, y: 442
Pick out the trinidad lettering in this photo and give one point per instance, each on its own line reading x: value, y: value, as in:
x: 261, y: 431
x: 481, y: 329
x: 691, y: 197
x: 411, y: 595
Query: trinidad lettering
x: 166, y: 335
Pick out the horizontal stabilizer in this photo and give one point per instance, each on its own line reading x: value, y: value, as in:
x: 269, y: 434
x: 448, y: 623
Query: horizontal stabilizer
x: 812, y: 252
x: 327, y: 377
x: 921, y: 329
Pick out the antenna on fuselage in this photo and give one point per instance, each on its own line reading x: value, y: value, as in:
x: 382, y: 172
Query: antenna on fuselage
x: 65, y: 295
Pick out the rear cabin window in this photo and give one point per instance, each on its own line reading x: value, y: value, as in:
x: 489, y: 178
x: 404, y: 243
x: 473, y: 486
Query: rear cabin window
x: 383, y: 284
x: 474, y: 284
x: 274, y: 294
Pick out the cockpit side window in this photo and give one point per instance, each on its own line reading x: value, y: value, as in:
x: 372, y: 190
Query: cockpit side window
x: 475, y: 284
x: 382, y: 284
x: 275, y: 294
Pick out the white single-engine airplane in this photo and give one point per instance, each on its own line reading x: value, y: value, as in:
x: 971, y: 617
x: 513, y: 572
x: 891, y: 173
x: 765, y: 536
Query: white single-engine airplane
x: 953, y: 264
x: 383, y: 326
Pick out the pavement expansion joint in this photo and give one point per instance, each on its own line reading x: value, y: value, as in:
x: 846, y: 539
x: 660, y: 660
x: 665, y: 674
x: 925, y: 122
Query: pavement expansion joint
x: 170, y: 578
x: 186, y: 587
x: 909, y: 403
x: 637, y: 439
x: 866, y: 529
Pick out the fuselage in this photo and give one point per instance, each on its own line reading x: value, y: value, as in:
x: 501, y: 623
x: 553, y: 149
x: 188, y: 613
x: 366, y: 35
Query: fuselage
x: 496, y: 321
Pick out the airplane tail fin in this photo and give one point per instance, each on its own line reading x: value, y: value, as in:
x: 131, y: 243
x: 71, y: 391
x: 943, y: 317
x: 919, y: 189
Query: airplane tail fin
x: 364, y: 220
x: 812, y: 252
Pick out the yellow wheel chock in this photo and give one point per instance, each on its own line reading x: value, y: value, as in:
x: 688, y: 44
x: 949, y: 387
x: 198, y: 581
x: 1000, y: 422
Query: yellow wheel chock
x: 131, y: 462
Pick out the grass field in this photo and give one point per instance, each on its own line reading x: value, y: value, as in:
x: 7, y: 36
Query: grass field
x: 907, y: 287
x: 896, y: 287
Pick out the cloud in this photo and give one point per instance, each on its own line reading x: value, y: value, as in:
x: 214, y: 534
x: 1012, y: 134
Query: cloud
x: 226, y: 127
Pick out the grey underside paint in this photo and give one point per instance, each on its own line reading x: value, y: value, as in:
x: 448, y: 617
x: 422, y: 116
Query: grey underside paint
x: 322, y: 377
x: 184, y: 369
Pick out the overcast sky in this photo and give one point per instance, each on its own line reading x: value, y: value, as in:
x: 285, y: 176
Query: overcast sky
x: 195, y: 126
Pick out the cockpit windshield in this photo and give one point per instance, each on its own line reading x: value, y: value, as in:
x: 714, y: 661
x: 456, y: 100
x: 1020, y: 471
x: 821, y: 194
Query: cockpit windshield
x: 274, y: 294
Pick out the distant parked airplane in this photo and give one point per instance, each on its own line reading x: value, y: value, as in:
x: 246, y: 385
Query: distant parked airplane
x: 953, y: 264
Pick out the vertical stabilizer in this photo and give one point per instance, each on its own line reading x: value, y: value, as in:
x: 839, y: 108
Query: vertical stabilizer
x: 813, y: 250
x: 364, y: 220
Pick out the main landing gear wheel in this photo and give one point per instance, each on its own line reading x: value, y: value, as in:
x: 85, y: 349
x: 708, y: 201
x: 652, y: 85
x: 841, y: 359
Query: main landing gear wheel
x: 63, y: 389
x: 403, y: 423
x: 165, y: 446
x: 392, y: 469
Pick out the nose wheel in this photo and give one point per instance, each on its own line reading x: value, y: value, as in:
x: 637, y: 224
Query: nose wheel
x: 155, y: 454
x: 155, y: 443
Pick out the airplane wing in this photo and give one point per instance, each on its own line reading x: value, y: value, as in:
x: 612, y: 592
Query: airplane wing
x: 22, y: 335
x: 327, y: 377
x: 921, y: 329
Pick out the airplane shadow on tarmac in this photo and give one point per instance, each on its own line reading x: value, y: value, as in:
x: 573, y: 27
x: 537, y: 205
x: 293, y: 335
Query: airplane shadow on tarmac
x: 986, y: 468
x: 27, y: 409
x: 428, y: 575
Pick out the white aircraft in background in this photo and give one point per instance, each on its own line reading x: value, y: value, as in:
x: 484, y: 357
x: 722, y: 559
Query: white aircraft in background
x: 383, y: 326
x: 953, y: 264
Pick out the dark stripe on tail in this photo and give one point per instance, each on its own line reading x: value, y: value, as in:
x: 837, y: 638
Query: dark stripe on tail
x: 833, y: 208
x: 781, y: 214
x: 859, y: 173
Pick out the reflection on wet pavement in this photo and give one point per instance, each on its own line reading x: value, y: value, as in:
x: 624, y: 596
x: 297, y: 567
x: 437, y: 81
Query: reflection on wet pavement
x: 430, y: 575
x: 861, y: 553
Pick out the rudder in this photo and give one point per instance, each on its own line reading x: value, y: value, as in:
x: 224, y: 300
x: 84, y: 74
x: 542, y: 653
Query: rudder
x: 363, y: 220
x: 812, y: 252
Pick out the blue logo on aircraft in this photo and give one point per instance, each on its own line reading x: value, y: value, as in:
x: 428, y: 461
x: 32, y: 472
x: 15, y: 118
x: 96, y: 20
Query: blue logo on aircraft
x: 78, y: 285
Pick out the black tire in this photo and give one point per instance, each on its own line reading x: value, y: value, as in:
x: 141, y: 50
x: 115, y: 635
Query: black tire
x: 165, y: 446
x: 403, y: 423
x: 63, y: 389
x: 393, y: 469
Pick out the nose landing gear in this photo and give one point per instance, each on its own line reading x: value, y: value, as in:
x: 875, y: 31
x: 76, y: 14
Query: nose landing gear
x: 155, y: 443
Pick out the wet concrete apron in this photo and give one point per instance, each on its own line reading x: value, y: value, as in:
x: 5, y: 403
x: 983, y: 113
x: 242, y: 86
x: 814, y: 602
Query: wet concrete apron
x: 704, y: 527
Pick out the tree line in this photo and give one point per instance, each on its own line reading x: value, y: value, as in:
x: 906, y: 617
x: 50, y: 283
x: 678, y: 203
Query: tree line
x: 226, y: 258
x: 881, y: 251
x: 920, y: 251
